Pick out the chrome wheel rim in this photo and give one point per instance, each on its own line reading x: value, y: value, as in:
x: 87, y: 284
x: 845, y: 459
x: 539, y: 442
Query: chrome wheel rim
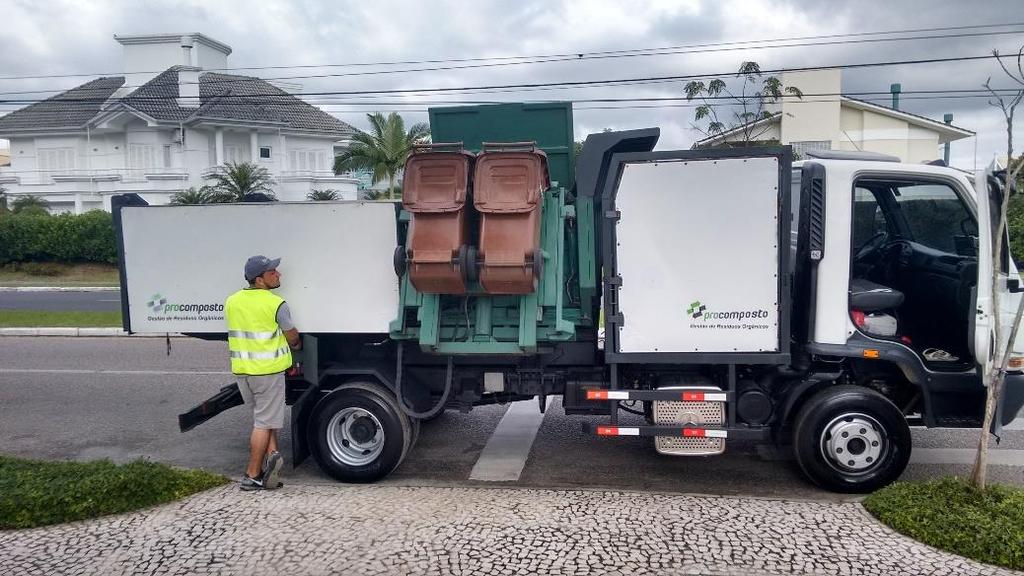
x: 854, y: 443
x: 355, y: 436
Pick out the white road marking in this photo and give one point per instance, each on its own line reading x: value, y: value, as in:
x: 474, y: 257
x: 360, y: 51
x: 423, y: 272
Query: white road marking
x: 1017, y: 424
x: 996, y: 456
x: 138, y: 372
x: 503, y: 458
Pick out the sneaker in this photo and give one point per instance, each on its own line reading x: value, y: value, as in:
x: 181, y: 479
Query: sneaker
x: 249, y: 484
x: 271, y: 469
x: 938, y: 355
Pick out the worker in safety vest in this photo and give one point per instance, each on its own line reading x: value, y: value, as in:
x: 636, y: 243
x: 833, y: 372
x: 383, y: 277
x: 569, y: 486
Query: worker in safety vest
x: 261, y: 336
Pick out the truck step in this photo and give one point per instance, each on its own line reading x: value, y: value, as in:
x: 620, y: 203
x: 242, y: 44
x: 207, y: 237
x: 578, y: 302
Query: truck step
x: 668, y: 395
x: 737, y: 433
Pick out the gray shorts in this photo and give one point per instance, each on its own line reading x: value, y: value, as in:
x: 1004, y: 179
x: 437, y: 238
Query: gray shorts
x: 266, y: 395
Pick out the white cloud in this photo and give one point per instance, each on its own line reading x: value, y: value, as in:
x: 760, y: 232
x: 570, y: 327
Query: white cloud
x: 72, y: 37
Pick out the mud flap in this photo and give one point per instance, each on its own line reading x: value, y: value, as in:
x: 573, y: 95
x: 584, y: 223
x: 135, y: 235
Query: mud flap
x: 228, y: 397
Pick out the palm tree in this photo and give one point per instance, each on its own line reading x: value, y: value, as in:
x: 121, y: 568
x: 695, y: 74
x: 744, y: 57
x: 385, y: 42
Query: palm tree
x: 30, y: 205
x: 319, y: 195
x: 235, y: 180
x: 383, y: 149
x: 204, y: 195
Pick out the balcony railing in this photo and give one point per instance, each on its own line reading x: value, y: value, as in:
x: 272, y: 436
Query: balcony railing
x: 44, y: 177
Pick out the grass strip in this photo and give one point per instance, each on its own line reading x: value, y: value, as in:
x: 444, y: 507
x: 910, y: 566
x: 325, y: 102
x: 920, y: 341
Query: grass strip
x: 34, y: 493
x: 58, y: 319
x: 58, y: 274
x: 951, y: 515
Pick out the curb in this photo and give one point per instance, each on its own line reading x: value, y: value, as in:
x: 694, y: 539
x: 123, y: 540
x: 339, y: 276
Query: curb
x: 91, y: 332
x: 60, y: 288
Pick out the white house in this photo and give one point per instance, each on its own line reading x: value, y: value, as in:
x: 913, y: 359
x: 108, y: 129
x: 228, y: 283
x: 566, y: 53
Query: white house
x: 825, y: 120
x: 163, y: 126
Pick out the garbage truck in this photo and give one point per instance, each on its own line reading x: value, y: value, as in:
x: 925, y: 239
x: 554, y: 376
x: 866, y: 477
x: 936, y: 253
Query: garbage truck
x: 826, y: 304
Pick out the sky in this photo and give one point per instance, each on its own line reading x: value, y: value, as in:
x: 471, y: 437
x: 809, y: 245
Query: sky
x: 64, y: 38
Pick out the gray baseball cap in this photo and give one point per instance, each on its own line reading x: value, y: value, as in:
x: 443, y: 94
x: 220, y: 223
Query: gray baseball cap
x: 257, y: 265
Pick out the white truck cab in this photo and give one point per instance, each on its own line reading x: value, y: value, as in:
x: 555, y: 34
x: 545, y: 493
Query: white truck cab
x: 905, y: 277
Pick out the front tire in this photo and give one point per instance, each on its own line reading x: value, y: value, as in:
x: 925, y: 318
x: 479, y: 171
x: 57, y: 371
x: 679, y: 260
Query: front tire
x: 851, y: 439
x: 358, y: 434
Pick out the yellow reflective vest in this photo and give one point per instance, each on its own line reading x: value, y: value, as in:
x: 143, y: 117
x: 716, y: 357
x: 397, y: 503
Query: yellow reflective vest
x: 256, y: 343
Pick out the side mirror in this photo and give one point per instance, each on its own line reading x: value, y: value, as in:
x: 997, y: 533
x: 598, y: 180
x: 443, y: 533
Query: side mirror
x: 1013, y: 285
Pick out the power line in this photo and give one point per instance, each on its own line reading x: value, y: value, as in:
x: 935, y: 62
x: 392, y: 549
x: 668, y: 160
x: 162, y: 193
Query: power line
x: 557, y: 55
x: 641, y: 52
x: 531, y: 86
x: 817, y: 97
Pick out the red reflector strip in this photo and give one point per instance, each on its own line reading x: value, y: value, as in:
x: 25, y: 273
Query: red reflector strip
x: 607, y: 395
x: 702, y: 433
x: 703, y: 397
x: 617, y: 431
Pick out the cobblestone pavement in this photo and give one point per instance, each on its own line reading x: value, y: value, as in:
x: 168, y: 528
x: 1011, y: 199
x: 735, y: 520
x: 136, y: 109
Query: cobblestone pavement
x: 363, y: 530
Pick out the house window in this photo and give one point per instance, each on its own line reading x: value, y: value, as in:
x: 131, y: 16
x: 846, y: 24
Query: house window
x: 167, y: 156
x: 307, y: 160
x: 800, y: 148
x: 141, y: 156
x: 264, y: 152
x: 56, y: 159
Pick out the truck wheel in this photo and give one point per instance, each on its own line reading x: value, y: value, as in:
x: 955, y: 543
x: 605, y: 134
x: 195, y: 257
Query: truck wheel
x: 851, y: 439
x: 357, y: 433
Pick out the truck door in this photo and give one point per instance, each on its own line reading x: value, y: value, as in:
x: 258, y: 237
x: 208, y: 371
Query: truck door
x: 988, y: 352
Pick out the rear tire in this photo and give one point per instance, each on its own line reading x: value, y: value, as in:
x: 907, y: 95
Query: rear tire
x: 851, y: 439
x: 358, y: 434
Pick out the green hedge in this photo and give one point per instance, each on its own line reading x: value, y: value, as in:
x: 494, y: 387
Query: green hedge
x: 85, y: 237
x: 952, y: 515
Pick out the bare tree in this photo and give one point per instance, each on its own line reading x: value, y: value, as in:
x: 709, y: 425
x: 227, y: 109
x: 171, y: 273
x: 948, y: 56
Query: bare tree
x: 747, y: 108
x: 1003, y: 348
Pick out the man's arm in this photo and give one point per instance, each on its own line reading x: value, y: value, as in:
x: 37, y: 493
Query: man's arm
x: 291, y: 333
x: 293, y: 338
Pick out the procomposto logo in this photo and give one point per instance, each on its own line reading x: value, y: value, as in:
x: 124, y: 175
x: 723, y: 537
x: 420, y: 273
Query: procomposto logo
x: 163, y: 310
x: 701, y: 317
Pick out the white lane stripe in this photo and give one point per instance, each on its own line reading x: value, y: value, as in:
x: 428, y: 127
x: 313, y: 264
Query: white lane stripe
x: 503, y: 458
x: 996, y: 456
x: 145, y: 372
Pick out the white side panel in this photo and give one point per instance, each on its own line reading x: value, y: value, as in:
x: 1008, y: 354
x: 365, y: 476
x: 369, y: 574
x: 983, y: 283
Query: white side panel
x: 704, y: 233
x: 336, y: 263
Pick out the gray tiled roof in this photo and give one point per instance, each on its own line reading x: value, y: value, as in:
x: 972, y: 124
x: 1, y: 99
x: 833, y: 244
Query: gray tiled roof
x: 222, y: 97
x: 71, y: 109
x: 232, y: 97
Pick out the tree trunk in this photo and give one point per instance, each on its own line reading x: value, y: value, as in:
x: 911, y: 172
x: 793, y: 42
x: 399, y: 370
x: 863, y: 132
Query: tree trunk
x: 391, y: 186
x: 1002, y: 356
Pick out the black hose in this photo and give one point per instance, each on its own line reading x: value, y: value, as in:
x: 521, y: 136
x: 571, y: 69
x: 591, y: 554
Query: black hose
x: 401, y: 401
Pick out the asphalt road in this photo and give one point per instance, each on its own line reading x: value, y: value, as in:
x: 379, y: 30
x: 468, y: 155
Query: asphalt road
x: 107, y: 300
x: 118, y: 398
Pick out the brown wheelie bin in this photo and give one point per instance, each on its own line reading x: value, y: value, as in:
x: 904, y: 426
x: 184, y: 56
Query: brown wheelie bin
x: 434, y: 192
x: 508, y: 181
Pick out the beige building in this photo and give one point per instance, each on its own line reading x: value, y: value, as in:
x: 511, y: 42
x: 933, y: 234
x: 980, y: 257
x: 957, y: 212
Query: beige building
x: 5, y: 157
x: 822, y: 120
